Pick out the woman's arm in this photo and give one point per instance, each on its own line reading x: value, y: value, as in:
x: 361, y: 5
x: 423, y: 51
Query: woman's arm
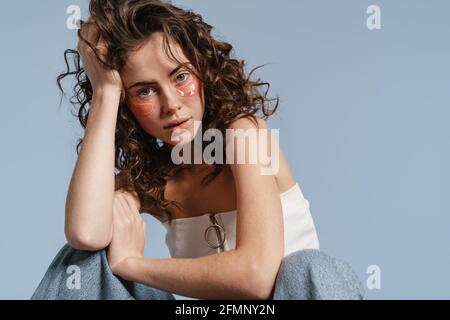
x: 89, y: 202
x: 227, y: 275
x: 247, y: 272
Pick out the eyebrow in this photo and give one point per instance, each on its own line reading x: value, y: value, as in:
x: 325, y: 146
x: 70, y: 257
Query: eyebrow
x: 146, y: 83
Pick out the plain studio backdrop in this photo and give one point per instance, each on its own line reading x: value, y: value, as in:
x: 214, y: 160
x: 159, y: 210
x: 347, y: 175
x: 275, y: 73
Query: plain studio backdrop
x: 363, y: 121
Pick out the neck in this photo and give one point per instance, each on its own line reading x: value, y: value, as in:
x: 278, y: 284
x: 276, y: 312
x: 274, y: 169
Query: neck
x: 191, y: 166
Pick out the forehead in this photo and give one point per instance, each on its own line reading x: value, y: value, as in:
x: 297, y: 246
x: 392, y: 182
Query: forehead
x: 150, y: 60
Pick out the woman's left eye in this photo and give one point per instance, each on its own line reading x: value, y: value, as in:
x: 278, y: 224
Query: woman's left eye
x: 181, y: 78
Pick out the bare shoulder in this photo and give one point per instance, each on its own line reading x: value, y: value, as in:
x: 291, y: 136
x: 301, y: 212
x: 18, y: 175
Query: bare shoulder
x: 244, y: 136
x: 279, y: 163
x: 248, y: 122
x: 246, y: 142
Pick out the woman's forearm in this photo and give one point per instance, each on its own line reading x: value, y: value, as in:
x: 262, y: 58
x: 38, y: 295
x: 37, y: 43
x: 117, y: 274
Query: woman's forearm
x: 227, y: 275
x: 89, y: 201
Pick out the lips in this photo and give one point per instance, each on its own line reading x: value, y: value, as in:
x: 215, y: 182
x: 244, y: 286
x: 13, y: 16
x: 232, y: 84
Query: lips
x: 177, y: 123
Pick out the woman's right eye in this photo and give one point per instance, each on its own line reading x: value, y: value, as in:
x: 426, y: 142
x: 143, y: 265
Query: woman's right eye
x: 144, y: 93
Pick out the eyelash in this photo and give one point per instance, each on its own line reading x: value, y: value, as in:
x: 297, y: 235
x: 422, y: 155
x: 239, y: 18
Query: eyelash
x: 139, y: 93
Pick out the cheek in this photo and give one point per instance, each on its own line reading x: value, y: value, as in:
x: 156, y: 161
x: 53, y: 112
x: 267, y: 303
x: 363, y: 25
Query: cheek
x: 190, y: 89
x: 142, y: 109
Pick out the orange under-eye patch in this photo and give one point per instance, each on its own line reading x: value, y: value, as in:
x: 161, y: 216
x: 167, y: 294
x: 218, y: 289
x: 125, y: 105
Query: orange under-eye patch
x: 189, y: 89
x: 142, y: 109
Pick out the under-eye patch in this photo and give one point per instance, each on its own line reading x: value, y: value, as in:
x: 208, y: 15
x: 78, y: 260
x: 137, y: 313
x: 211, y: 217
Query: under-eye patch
x: 142, y: 109
x: 189, y: 89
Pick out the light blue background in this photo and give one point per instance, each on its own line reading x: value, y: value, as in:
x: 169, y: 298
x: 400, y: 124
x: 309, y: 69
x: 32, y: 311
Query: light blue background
x: 363, y: 122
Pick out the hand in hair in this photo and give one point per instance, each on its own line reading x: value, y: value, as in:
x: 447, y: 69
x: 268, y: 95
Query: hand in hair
x: 92, y: 48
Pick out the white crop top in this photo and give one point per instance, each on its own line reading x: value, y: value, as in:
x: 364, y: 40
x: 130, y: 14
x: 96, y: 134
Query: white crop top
x: 199, y: 236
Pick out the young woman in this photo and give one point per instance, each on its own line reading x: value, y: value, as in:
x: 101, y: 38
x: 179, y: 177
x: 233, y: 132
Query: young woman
x: 156, y: 79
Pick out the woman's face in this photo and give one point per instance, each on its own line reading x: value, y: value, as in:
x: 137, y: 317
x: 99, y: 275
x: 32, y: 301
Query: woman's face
x: 159, y: 91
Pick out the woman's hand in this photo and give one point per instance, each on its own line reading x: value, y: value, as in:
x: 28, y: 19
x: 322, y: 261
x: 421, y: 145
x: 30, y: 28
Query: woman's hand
x: 128, y: 239
x: 100, y: 77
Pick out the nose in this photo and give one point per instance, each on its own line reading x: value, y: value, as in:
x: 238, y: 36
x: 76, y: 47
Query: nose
x: 170, y: 100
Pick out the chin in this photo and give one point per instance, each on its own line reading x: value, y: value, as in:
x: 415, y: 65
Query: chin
x: 185, y: 139
x: 186, y: 135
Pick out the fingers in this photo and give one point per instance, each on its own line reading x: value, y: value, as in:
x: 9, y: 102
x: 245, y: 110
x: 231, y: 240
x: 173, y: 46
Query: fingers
x: 125, y: 212
x: 121, y: 215
x: 133, y: 199
x: 126, y: 206
x: 89, y: 32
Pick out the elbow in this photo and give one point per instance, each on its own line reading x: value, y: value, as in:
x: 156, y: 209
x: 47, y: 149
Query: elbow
x: 86, y: 241
x: 261, y: 280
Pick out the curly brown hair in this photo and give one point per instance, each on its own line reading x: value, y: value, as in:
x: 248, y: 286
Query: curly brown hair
x: 142, y: 163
